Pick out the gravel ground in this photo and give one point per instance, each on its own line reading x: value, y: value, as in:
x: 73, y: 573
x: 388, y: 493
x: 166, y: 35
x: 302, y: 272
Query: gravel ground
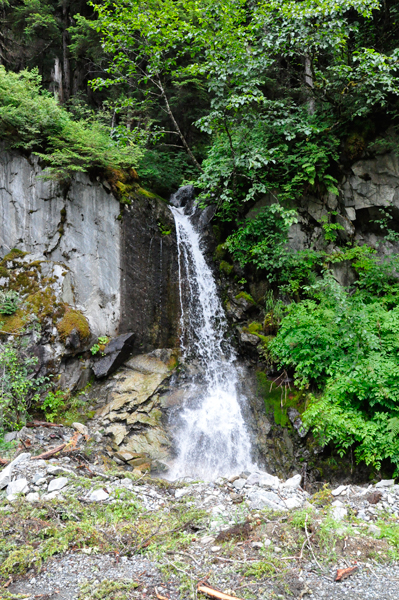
x: 369, y: 583
x: 61, y: 579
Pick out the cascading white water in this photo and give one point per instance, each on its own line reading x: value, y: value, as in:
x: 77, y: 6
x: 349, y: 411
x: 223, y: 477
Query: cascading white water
x: 211, y: 435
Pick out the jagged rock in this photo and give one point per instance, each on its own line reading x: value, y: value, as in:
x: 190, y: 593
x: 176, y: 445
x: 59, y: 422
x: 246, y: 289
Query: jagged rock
x: 33, y: 497
x: 57, y: 484
x: 293, y: 483
x: 81, y: 428
x: 119, y: 432
x: 5, y: 475
x: 296, y: 420
x: 385, y: 483
x: 269, y: 480
x: 260, y: 499
x: 19, y: 486
x: 116, y: 352
x: 153, y: 443
x: 338, y: 491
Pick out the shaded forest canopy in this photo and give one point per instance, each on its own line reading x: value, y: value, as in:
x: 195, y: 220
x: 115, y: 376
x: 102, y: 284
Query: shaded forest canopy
x: 248, y: 101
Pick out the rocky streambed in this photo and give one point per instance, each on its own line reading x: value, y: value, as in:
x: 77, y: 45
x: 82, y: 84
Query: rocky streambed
x: 72, y: 528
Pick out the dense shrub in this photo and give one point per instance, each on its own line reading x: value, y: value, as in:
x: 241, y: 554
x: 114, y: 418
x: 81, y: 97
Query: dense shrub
x: 32, y: 119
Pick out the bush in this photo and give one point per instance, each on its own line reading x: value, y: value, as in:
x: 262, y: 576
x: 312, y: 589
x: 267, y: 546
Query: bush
x: 346, y: 346
x: 31, y: 118
x: 19, y: 389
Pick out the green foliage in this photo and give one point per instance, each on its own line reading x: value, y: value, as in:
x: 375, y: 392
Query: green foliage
x: 346, y: 345
x: 53, y: 404
x: 9, y: 302
x: 262, y: 241
x: 100, y: 345
x: 19, y: 388
x: 32, y: 119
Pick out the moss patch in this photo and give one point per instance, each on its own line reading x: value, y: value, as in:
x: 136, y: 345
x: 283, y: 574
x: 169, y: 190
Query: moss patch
x: 278, y: 399
x: 245, y: 296
x: 44, y: 304
x: 12, y: 255
x: 226, y: 268
x: 73, y: 319
x: 220, y: 252
x: 13, y: 323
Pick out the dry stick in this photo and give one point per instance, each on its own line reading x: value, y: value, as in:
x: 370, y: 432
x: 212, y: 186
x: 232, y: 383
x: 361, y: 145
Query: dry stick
x: 215, y: 594
x: 49, y: 452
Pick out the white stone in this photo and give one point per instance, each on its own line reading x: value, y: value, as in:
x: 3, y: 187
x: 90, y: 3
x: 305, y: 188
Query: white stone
x: 5, y: 475
x: 239, y: 483
x: 57, y: 484
x: 268, y: 480
x: 339, y: 490
x: 207, y: 539
x: 293, y: 502
x: 339, y: 512
x: 257, y: 545
x: 267, y: 542
x: 261, y: 499
x: 253, y: 479
x: 33, y: 497
x: 385, y: 483
x: 215, y: 548
x: 374, y: 530
x: 337, y: 503
x: 51, y: 495
x: 98, y: 495
x: 294, y: 482
x: 17, y: 487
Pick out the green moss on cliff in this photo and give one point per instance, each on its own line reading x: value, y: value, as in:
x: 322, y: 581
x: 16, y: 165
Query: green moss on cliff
x: 226, y: 268
x: 73, y: 320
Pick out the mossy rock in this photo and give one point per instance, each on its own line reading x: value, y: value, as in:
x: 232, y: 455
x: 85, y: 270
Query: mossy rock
x: 278, y: 400
x: 226, y: 268
x: 13, y: 323
x: 73, y: 320
x: 220, y: 252
x: 12, y: 255
x: 253, y: 328
x: 247, y: 297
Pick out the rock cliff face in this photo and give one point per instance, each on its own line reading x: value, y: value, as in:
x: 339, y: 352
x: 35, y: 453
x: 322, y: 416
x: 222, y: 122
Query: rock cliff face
x: 119, y: 263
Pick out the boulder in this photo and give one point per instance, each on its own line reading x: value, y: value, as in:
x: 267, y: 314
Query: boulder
x: 5, y: 475
x: 116, y: 352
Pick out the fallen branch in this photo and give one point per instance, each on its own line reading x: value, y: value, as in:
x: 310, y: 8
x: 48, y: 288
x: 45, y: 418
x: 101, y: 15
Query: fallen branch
x: 42, y: 424
x: 344, y: 573
x: 214, y: 593
x: 49, y: 453
x: 159, y: 596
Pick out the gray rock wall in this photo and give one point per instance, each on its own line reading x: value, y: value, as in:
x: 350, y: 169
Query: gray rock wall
x: 77, y: 227
x: 122, y: 271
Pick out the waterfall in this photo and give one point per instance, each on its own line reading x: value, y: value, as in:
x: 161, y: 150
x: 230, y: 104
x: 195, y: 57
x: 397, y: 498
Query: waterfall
x: 211, y: 436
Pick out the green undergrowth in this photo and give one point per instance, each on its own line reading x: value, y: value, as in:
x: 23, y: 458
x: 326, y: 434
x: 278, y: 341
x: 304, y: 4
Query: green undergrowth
x: 30, y: 535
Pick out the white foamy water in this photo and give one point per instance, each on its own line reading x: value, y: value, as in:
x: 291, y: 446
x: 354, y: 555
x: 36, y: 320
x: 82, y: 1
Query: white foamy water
x: 211, y: 435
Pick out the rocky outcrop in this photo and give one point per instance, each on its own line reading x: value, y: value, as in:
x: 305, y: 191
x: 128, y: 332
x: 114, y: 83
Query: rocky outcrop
x: 131, y: 413
x: 84, y: 259
x: 76, y: 227
x: 121, y: 260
